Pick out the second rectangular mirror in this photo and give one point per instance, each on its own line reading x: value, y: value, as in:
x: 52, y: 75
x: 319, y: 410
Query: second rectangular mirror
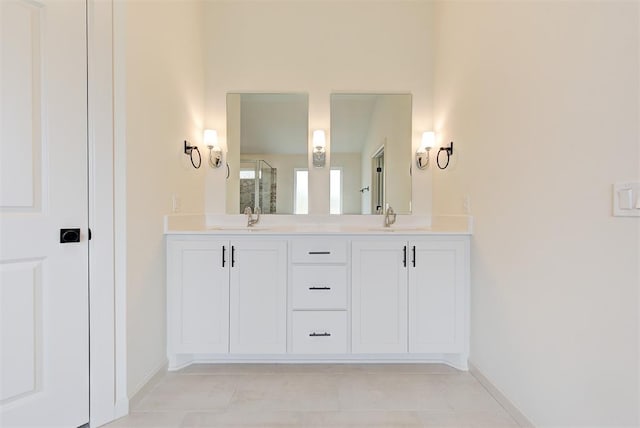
x: 370, y: 153
x: 267, y: 140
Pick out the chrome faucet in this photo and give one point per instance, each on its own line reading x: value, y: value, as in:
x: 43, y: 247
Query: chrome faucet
x: 250, y: 219
x: 389, y: 216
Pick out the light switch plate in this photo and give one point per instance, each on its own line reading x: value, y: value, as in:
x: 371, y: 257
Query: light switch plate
x: 626, y: 199
x: 176, y: 204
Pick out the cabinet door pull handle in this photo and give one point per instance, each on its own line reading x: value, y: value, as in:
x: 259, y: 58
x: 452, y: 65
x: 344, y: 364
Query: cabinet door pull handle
x: 314, y: 334
x: 223, y: 251
x: 233, y: 256
x: 313, y: 253
x: 414, y: 256
x: 319, y: 288
x: 404, y: 256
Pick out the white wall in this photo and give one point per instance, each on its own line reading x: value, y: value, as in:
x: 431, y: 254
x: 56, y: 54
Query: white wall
x: 318, y: 47
x: 164, y: 104
x: 541, y: 100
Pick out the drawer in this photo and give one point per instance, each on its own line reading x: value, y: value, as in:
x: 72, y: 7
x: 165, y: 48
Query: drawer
x: 319, y: 332
x: 319, y: 251
x: 319, y: 287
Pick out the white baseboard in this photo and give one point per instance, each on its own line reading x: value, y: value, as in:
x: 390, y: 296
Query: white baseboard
x: 515, y: 413
x: 147, y: 384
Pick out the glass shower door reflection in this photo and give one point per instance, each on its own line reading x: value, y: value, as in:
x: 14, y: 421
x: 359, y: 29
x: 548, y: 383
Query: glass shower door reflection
x: 258, y: 186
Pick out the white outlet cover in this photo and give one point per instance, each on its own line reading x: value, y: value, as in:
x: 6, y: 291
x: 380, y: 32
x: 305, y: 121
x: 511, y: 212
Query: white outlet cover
x: 626, y: 199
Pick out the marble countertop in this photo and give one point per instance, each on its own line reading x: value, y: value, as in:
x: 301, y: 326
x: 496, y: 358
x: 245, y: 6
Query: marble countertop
x: 198, y: 224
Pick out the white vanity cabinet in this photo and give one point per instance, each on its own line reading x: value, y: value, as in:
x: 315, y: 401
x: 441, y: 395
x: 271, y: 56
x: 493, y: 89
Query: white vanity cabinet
x: 197, y: 296
x: 319, y: 296
x: 225, y: 296
x: 379, y: 303
x: 409, y: 295
x: 438, y: 295
x: 258, y: 296
x: 265, y: 296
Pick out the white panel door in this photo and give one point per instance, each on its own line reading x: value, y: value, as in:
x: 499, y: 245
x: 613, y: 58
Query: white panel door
x: 436, y: 297
x: 379, y: 297
x: 44, y: 345
x: 258, y: 302
x: 198, y: 296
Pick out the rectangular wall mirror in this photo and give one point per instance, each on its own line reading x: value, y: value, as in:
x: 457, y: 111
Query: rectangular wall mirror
x: 267, y: 141
x: 370, y: 153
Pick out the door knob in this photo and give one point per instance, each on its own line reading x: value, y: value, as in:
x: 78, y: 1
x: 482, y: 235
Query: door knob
x: 69, y: 235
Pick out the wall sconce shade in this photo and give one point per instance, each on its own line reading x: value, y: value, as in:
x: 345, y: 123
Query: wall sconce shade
x: 210, y: 137
x: 448, y: 151
x: 188, y: 150
x: 319, y: 148
x: 215, y: 152
x: 422, y: 154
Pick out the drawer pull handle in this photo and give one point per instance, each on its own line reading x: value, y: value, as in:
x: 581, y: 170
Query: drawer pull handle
x: 319, y: 288
x: 314, y: 253
x: 314, y: 334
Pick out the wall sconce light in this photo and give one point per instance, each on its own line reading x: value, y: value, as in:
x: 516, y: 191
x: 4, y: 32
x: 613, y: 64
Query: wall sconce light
x: 215, y: 152
x: 448, y: 151
x: 319, y: 151
x: 422, y: 154
x: 188, y: 150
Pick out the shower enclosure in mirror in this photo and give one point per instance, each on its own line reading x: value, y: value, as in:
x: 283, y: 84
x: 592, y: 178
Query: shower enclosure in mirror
x: 258, y: 185
x: 371, y: 152
x: 267, y: 140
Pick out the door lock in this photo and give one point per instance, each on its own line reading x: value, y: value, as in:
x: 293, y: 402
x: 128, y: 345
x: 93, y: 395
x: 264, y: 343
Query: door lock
x: 69, y: 235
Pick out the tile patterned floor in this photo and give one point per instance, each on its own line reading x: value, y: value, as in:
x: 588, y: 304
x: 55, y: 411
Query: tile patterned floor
x: 311, y: 395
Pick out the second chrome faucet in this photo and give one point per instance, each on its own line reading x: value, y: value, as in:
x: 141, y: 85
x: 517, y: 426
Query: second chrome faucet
x: 389, y: 216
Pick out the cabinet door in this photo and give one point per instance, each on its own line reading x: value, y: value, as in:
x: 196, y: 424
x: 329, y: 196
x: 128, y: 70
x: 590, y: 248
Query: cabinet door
x: 379, y: 299
x: 258, y: 297
x: 437, y: 296
x: 198, y: 296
